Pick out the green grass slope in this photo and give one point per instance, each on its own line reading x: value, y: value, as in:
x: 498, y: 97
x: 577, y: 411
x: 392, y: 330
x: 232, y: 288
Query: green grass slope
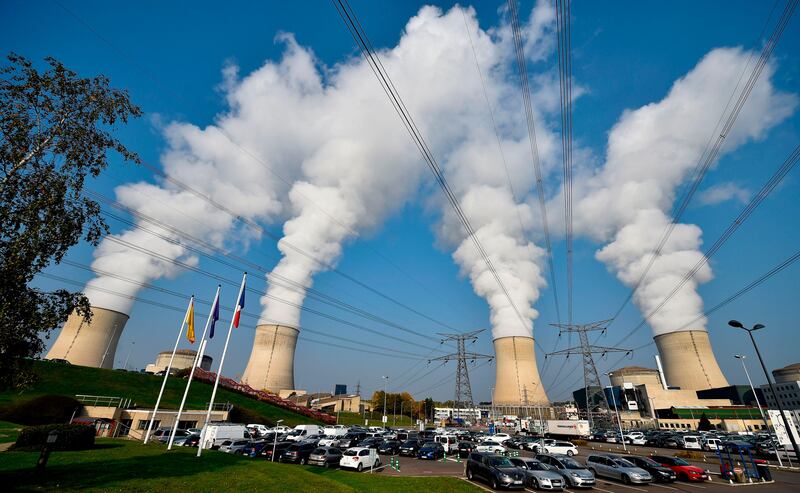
x: 141, y: 388
x: 121, y: 465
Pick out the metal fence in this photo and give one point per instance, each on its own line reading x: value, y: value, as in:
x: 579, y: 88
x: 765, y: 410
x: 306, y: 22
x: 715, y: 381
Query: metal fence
x: 103, y: 401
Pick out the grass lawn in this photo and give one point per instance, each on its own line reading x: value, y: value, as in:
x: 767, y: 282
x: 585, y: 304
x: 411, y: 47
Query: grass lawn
x: 122, y: 465
x: 9, y: 431
x: 141, y: 388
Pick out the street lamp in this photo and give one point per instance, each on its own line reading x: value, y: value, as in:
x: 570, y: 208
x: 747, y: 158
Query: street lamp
x: 741, y: 358
x: 738, y: 325
x: 275, y: 438
x: 619, y: 420
x: 385, y: 420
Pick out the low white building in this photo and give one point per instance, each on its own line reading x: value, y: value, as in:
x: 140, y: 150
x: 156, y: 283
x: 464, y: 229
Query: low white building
x: 443, y: 413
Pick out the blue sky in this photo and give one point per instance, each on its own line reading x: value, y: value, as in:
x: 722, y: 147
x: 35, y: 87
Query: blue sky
x: 170, y: 56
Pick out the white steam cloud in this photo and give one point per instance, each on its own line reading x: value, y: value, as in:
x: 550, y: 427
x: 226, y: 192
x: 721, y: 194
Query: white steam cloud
x: 651, y: 151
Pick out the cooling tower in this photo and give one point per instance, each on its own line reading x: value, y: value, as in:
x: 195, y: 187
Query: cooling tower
x: 517, y: 379
x: 689, y: 362
x: 271, y: 364
x: 90, y: 344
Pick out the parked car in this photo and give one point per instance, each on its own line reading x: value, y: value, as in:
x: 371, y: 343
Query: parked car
x: 255, y: 448
x: 464, y: 448
x: 329, y: 441
x: 191, y: 441
x: 613, y: 467
x: 298, y: 453
x: 325, y: 457
x: 566, y: 448
x: 410, y: 448
x: 279, y: 447
x: 683, y: 470
x: 660, y: 473
x: 234, y: 446
x: 304, y: 432
x: 711, y: 443
x: 539, y: 476
x: 258, y: 429
x: 575, y: 474
x: 391, y: 447
x: 496, y: 470
x: 692, y: 442
x: 431, y: 450
x: 491, y: 448
x: 635, y: 439
x: 352, y: 438
x: 373, y: 442
x: 359, y: 458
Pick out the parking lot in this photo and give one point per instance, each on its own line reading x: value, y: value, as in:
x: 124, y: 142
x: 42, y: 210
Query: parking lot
x: 785, y: 481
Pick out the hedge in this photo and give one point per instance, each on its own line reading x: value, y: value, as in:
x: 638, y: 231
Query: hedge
x: 71, y: 437
x: 42, y: 410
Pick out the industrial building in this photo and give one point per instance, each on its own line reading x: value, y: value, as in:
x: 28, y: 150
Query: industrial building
x: 90, y: 343
x: 271, y: 364
x: 184, y: 359
x: 787, y: 386
x: 517, y: 381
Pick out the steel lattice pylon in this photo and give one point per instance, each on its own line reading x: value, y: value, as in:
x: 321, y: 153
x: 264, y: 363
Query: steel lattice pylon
x: 591, y: 378
x: 463, y: 397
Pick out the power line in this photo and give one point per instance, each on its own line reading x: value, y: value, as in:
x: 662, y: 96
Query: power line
x: 373, y: 60
x: 714, y: 145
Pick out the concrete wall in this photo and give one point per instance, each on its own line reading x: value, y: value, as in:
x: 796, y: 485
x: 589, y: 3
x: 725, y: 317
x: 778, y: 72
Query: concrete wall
x: 90, y: 344
x: 517, y: 376
x: 689, y: 361
x: 271, y: 364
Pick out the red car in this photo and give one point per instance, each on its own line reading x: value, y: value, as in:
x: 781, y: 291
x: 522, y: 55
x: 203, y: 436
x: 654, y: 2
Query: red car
x: 683, y: 469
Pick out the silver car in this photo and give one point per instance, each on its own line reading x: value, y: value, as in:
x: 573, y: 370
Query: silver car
x: 539, y: 476
x: 613, y: 467
x: 573, y: 472
x: 234, y: 446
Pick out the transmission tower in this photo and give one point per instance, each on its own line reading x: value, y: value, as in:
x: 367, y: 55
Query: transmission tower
x: 591, y: 379
x: 463, y: 398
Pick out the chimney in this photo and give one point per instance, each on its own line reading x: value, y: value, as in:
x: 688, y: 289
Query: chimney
x: 689, y: 362
x: 90, y: 344
x: 517, y: 377
x: 271, y: 364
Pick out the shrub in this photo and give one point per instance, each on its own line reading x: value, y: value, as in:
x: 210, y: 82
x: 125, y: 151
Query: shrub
x: 689, y: 454
x: 42, y: 410
x: 71, y: 437
x: 579, y: 443
x: 246, y: 416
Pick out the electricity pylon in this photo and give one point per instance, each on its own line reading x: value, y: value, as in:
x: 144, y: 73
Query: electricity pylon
x: 463, y: 389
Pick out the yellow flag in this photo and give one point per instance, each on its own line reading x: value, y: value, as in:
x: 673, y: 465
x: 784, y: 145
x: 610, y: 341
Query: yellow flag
x: 190, y: 322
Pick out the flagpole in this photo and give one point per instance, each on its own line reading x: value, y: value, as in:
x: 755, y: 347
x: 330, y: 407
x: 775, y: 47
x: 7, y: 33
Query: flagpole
x: 166, y: 373
x: 200, y: 351
x: 219, y: 372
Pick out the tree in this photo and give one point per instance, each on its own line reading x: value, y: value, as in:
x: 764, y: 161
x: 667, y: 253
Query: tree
x: 55, y: 131
x: 704, y: 424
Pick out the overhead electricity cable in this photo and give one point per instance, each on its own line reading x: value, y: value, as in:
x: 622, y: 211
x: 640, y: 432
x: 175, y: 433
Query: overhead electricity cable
x: 519, y: 50
x: 762, y: 194
x: 209, y: 303
x: 711, y: 152
x: 253, y: 156
x: 447, y: 379
x: 373, y: 60
x: 274, y: 279
x: 563, y: 30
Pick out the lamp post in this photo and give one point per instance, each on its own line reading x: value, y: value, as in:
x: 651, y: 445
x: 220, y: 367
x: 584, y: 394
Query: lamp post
x: 384, y: 420
x: 619, y: 420
x: 738, y: 325
x: 275, y: 439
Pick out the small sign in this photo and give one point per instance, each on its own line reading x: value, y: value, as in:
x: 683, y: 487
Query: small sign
x: 780, y: 429
x: 385, y: 419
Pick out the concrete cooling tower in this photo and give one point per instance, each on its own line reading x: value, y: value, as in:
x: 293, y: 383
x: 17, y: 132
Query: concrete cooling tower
x: 517, y: 379
x: 271, y: 364
x: 90, y: 344
x: 689, y: 362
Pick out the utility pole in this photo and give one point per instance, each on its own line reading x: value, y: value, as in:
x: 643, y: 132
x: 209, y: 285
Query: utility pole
x: 591, y: 378
x: 463, y: 389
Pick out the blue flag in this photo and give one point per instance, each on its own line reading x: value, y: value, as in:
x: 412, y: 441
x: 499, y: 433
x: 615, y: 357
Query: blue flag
x: 214, y: 316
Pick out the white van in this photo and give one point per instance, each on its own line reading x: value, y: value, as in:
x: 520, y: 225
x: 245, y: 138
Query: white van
x: 217, y: 433
x: 692, y: 442
x: 711, y: 443
x: 301, y: 432
x: 335, y: 431
x: 449, y: 442
x: 260, y: 430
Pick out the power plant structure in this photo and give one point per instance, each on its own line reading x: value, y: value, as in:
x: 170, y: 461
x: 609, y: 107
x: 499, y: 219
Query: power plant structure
x: 271, y: 364
x: 90, y: 344
x: 184, y: 359
x: 517, y: 380
x: 689, y: 361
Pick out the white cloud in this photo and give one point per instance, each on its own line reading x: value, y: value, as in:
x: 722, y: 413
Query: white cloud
x: 723, y: 192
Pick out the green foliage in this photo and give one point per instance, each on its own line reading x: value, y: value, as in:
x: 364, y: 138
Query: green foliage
x: 704, y: 424
x: 70, y: 437
x: 246, y: 416
x: 42, y: 410
x: 55, y: 131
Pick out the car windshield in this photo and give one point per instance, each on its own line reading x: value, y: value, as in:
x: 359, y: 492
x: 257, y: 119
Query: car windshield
x: 623, y: 463
x: 649, y: 462
x: 409, y: 443
x: 537, y: 466
x: 319, y: 451
x: 500, y: 462
x: 680, y: 462
x: 351, y: 452
x: 571, y: 464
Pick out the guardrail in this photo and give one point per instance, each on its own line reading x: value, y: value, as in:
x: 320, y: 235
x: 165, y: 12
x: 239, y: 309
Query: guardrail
x: 103, y: 401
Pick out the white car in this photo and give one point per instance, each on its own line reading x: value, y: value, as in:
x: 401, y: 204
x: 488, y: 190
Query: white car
x: 335, y: 430
x: 500, y: 437
x: 565, y: 448
x: 491, y: 447
x: 359, y: 458
x: 281, y: 429
x: 260, y: 430
x: 711, y: 444
x: 635, y: 439
x: 692, y: 442
x: 329, y: 441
